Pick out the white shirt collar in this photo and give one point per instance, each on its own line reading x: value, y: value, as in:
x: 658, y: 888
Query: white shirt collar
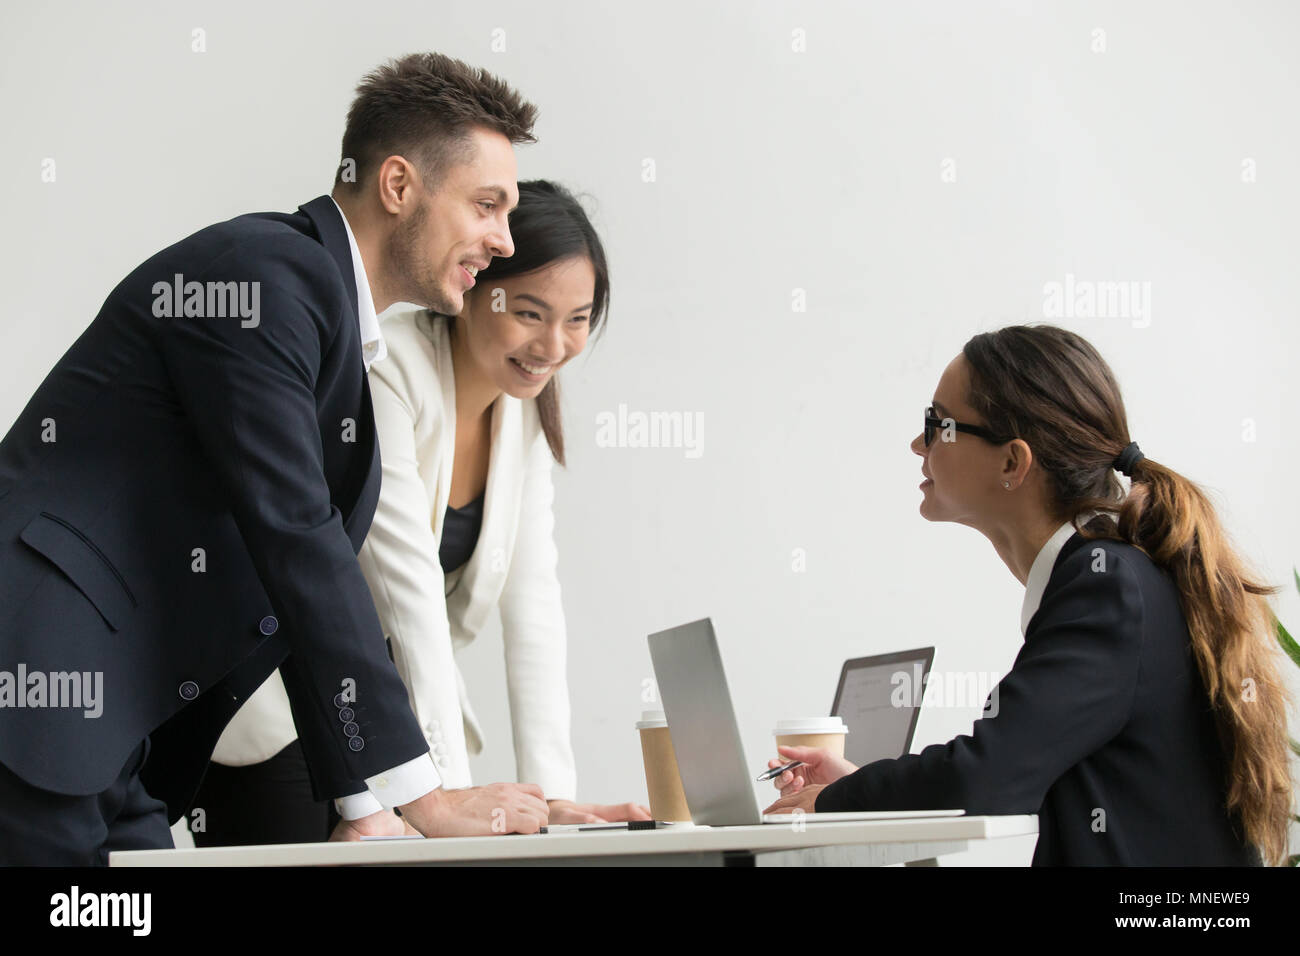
x: 373, y: 348
x: 1041, y: 571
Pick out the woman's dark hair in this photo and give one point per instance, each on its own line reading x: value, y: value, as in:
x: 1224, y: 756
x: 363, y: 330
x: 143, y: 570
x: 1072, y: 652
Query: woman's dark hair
x: 547, y: 226
x: 1052, y: 389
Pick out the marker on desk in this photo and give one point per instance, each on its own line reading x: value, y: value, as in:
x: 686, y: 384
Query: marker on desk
x: 777, y: 771
x: 402, y: 836
x: 575, y: 827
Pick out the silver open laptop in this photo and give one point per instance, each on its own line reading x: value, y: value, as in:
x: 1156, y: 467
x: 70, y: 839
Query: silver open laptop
x: 879, y: 700
x: 716, y: 778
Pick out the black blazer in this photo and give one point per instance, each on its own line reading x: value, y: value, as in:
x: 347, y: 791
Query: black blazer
x: 1103, y: 728
x: 154, y: 437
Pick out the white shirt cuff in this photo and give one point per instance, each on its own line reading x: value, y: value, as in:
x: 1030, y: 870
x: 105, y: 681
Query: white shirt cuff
x: 392, y: 788
x: 357, y: 805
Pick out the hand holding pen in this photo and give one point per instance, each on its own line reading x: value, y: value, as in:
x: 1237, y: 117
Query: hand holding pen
x: 816, y: 766
x: 778, y: 768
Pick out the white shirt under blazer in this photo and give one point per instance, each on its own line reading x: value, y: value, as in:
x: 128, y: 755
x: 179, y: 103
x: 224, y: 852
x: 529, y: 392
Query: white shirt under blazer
x: 428, y: 616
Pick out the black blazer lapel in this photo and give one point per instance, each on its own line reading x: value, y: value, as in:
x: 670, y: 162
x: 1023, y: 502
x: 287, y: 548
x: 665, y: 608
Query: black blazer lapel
x: 357, y: 518
x: 359, y: 493
x: 334, y: 237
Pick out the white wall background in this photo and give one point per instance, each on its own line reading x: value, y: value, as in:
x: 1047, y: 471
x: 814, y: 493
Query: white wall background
x: 776, y: 170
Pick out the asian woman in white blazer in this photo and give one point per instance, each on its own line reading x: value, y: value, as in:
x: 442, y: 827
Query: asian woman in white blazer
x: 466, y: 409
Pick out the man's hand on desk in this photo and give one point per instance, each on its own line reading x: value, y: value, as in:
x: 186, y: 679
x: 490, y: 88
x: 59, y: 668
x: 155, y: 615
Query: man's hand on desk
x: 478, y: 811
x: 566, y: 811
x: 383, y: 823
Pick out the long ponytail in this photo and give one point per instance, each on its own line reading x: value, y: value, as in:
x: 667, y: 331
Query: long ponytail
x: 1175, y: 523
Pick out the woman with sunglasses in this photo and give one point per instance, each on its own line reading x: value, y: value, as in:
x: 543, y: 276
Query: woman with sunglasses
x: 1144, y: 719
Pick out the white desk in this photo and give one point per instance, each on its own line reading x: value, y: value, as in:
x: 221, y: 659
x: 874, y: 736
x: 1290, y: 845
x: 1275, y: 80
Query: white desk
x: 858, y: 843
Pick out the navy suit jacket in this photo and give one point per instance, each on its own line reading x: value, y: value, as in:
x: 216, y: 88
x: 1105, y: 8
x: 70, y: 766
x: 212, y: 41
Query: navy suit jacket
x: 1103, y: 728
x: 181, y: 505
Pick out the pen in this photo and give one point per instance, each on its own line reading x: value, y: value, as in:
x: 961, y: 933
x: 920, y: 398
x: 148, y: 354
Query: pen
x: 777, y: 771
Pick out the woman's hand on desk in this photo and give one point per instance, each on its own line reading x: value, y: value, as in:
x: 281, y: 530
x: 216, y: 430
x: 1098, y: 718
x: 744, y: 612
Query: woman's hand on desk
x: 566, y: 811
x: 383, y: 823
x: 820, y: 768
x: 805, y: 800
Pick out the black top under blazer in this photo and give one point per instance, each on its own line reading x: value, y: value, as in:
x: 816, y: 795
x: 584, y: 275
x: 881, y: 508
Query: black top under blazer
x: 181, y: 505
x: 1103, y: 728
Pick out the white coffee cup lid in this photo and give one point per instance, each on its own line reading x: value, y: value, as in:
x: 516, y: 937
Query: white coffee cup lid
x: 810, y: 725
x: 651, y: 719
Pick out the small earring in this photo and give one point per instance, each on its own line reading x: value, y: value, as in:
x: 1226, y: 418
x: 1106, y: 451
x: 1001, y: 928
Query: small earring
x: 1006, y: 484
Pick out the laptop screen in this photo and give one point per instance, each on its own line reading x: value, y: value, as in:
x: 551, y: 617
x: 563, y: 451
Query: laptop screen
x: 879, y: 699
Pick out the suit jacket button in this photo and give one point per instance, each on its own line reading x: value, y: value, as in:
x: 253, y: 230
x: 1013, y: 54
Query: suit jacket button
x: 339, y: 701
x: 356, y: 743
x: 189, y: 690
x: 351, y: 729
x: 346, y: 715
x: 268, y: 625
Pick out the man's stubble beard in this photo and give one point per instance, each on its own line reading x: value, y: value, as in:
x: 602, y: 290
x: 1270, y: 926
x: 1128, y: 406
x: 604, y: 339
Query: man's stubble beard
x: 415, y: 280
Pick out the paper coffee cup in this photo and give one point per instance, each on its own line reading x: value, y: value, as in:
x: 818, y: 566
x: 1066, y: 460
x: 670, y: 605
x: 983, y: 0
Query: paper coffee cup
x: 825, y: 732
x: 662, y: 781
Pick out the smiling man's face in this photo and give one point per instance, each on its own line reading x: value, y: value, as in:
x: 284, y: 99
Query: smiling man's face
x: 456, y: 230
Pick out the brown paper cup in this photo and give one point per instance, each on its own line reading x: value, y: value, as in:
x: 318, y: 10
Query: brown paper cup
x: 662, y: 781
x: 826, y: 733
x: 832, y: 742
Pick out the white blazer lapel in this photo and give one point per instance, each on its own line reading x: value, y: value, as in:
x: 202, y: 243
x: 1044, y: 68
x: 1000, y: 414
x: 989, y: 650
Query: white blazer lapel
x: 485, y: 573
x: 447, y: 382
x: 483, y: 576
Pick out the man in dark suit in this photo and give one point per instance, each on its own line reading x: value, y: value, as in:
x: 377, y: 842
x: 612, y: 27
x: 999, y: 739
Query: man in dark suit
x: 183, y: 498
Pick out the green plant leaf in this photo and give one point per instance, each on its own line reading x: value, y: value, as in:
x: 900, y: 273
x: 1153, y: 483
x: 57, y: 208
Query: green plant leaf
x: 1296, y: 747
x: 1297, y: 577
x: 1288, y: 643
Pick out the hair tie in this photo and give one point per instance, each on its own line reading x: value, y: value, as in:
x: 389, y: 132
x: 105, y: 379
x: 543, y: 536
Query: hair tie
x: 1128, y: 459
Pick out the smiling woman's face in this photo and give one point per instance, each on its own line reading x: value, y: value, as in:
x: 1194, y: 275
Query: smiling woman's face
x: 963, y: 474
x: 519, y: 331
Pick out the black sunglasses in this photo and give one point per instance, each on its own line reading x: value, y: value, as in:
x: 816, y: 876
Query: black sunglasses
x: 933, y: 423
